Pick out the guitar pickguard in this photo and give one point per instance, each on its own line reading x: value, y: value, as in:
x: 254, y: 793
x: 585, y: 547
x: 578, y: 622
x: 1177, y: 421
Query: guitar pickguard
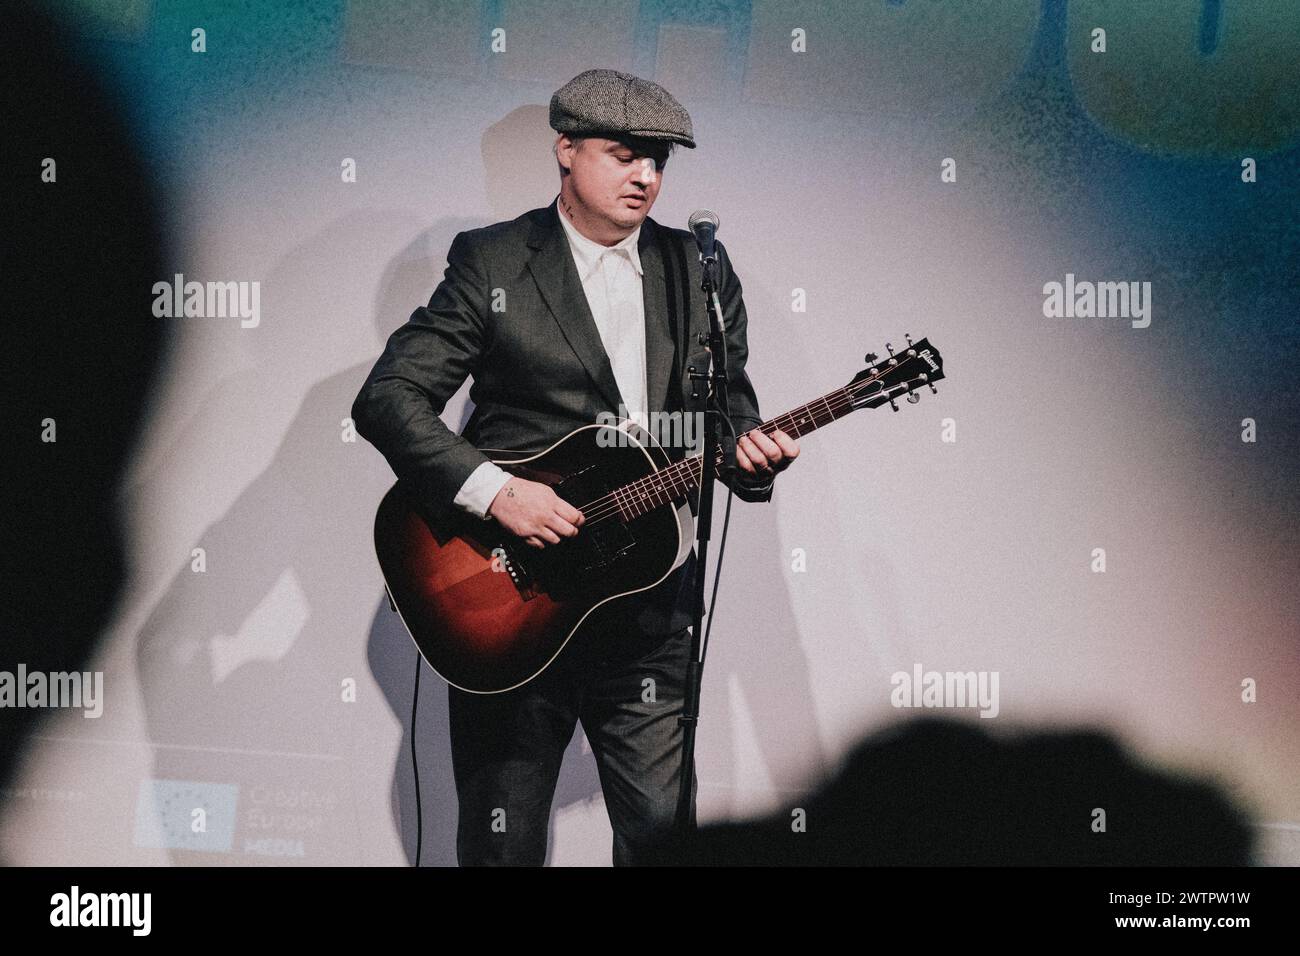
x: 607, y: 542
x: 606, y: 555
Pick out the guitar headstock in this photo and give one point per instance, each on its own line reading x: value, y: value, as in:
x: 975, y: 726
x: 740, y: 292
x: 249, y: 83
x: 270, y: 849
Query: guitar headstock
x: 903, y: 373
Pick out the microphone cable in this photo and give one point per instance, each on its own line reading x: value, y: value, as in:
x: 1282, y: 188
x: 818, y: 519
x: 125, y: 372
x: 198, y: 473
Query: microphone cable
x: 415, y: 764
x: 722, y: 541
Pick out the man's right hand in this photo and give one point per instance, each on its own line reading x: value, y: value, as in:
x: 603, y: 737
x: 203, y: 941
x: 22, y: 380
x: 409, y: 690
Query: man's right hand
x: 532, y: 511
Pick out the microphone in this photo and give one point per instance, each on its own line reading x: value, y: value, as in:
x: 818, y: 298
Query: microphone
x: 704, y: 224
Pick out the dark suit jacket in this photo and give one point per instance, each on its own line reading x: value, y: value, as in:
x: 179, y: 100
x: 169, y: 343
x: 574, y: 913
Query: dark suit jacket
x: 511, y: 312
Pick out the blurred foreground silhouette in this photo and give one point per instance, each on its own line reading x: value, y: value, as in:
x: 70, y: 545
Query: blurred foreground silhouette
x: 942, y: 792
x: 79, y: 253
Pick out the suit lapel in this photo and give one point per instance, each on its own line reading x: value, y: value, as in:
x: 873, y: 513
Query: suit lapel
x: 659, y: 345
x: 557, y: 279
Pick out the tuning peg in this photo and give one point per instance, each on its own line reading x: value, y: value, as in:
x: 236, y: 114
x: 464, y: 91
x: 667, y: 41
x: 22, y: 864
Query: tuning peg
x: 908, y: 336
x: 933, y: 390
x: 890, y: 348
x: 913, y: 398
x: 870, y: 357
x: 892, y: 405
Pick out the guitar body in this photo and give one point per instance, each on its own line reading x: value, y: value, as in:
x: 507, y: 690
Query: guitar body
x: 489, y: 612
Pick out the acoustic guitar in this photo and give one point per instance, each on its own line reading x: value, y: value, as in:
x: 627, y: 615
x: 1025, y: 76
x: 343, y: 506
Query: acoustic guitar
x: 490, y: 612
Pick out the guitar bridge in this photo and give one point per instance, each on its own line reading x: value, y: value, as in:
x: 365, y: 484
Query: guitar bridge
x: 520, y: 573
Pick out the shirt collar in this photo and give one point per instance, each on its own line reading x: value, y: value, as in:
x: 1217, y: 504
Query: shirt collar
x: 587, y: 252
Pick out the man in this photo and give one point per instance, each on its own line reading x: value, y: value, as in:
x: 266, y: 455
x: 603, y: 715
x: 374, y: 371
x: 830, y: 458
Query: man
x: 582, y: 308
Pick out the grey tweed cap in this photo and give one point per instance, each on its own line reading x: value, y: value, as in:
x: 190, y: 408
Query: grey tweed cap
x: 607, y: 101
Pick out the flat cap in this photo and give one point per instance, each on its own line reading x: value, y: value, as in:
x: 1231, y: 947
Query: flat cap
x: 607, y: 101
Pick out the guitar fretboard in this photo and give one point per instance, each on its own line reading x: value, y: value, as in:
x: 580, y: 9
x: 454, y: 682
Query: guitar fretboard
x: 673, y: 484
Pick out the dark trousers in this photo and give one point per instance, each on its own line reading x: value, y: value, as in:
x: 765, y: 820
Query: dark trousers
x: 626, y: 687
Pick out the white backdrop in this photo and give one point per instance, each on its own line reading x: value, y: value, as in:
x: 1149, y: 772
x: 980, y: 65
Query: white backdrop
x: 225, y: 688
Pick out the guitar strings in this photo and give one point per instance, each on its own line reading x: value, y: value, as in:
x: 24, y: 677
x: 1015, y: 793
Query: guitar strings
x: 686, y: 472
x: 612, y: 503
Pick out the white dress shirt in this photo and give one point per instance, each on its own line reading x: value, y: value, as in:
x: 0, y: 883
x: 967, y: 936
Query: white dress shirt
x: 611, y: 280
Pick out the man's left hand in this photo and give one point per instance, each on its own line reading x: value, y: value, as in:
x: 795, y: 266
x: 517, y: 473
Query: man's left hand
x: 761, y: 457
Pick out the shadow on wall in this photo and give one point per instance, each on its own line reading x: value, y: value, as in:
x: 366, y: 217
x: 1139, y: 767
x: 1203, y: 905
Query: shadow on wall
x: 81, y: 247
x: 241, y: 666
x: 943, y: 792
x: 519, y: 168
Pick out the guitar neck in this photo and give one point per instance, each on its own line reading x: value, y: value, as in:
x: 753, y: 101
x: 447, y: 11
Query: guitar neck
x: 901, y: 374
x: 674, y: 483
x: 798, y: 422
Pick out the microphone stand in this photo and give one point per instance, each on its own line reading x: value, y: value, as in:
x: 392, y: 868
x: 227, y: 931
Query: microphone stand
x: 714, y: 437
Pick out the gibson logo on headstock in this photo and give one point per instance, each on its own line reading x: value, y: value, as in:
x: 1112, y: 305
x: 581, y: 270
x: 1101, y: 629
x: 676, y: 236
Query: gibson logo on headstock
x: 926, y: 355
